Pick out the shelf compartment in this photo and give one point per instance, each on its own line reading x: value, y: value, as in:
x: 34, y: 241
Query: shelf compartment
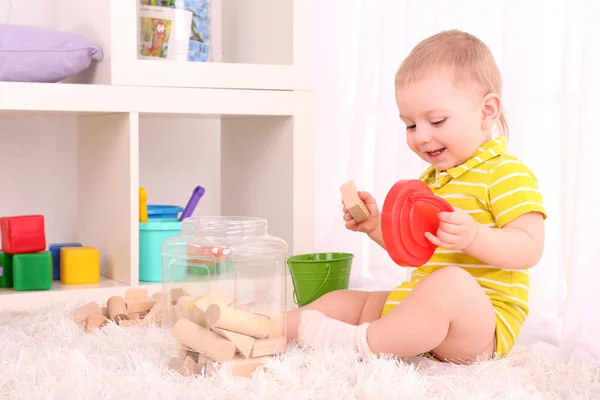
x: 87, y: 196
x: 264, y: 44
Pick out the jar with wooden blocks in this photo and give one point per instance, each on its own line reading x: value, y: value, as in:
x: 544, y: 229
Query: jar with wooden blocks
x: 224, y: 295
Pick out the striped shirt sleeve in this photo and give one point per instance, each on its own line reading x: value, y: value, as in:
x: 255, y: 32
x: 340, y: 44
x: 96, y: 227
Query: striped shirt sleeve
x: 513, y: 191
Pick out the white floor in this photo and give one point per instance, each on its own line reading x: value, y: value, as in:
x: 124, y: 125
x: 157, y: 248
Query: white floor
x: 43, y: 355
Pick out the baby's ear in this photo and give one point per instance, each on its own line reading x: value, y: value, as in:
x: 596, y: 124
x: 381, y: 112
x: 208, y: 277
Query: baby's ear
x: 490, y: 111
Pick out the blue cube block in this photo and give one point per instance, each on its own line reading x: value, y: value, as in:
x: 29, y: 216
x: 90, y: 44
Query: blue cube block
x: 55, y: 250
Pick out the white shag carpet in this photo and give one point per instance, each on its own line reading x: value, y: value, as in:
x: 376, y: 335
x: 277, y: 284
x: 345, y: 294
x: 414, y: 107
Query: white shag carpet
x: 44, y: 355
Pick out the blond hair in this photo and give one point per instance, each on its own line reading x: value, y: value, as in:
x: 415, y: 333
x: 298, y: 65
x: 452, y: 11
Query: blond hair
x: 468, y: 57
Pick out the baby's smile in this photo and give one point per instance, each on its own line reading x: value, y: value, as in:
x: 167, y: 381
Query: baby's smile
x: 435, y: 154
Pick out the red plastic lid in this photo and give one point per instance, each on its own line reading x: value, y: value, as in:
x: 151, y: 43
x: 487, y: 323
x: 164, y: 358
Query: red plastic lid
x: 410, y: 209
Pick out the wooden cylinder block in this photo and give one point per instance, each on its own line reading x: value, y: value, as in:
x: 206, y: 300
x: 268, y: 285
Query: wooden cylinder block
x: 206, y: 366
x: 94, y: 321
x: 80, y: 314
x: 203, y: 341
x: 243, y: 367
x: 132, y: 295
x: 277, y: 322
x: 268, y: 347
x: 238, y: 321
x: 138, y: 306
x: 219, y: 296
x: 155, y: 314
x: 117, y: 309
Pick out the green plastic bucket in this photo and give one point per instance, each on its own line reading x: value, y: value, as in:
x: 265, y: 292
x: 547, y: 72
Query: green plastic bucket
x: 315, y: 274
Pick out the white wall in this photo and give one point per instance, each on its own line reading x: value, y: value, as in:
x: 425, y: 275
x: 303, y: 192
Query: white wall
x: 27, y: 12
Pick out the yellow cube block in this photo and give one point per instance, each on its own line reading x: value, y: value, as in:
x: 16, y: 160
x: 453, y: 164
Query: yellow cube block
x: 79, y: 265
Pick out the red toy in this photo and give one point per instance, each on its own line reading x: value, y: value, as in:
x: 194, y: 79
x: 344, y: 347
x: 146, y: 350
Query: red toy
x: 410, y: 209
x: 23, y: 234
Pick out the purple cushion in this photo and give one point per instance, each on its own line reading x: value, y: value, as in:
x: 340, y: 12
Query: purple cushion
x: 30, y: 54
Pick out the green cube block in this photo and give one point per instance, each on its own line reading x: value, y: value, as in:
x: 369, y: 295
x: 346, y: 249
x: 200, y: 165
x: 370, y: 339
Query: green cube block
x: 32, y: 271
x: 6, y: 262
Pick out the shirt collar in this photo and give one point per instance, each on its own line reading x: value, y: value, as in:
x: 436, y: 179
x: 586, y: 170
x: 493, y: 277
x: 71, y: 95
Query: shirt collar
x: 490, y: 149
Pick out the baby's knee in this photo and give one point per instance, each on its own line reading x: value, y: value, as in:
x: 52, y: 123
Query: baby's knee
x: 446, y: 281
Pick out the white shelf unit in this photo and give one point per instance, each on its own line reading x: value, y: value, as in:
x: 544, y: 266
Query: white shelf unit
x: 264, y: 44
x: 261, y: 110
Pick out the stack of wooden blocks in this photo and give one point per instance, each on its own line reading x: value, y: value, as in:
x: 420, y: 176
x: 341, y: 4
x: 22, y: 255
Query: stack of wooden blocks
x: 215, y: 329
x: 136, y: 308
x: 208, y: 331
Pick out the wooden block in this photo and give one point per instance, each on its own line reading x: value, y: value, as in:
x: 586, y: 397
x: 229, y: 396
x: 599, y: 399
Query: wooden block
x: 155, y: 314
x: 354, y: 204
x: 243, y: 367
x: 203, y: 341
x: 277, y: 322
x: 125, y: 323
x: 219, y: 296
x: 189, y: 367
x: 132, y: 295
x: 117, y: 309
x: 137, y: 306
x: 238, y: 321
x: 80, y: 314
x: 181, y: 351
x: 243, y: 343
x: 175, y: 363
x: 176, y: 294
x: 268, y: 347
x: 94, y: 321
x: 206, y: 366
x: 186, y: 302
x: 178, y: 313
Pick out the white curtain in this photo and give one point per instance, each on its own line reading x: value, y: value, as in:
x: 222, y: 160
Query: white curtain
x: 549, y: 55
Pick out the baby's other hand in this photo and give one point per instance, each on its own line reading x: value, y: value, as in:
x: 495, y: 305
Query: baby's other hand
x: 368, y: 225
x: 457, y: 230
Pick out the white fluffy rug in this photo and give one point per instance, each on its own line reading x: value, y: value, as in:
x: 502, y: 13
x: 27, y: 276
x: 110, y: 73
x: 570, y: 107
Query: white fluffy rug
x: 43, y: 355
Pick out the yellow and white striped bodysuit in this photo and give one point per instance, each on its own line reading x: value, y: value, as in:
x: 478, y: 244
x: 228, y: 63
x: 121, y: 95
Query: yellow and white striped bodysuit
x: 495, y: 188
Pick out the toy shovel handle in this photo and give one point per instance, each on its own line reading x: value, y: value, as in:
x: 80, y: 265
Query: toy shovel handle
x: 197, y: 194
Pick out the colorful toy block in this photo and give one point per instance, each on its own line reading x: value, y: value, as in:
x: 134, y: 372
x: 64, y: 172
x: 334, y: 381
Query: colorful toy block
x: 32, y: 271
x: 79, y: 265
x: 55, y: 250
x: 23, y: 234
x: 6, y: 262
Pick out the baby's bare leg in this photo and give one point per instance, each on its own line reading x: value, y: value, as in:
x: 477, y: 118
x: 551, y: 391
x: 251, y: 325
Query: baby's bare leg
x: 350, y: 306
x: 447, y: 313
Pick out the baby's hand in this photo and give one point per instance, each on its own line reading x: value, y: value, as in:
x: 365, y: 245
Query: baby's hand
x: 368, y: 225
x: 457, y: 230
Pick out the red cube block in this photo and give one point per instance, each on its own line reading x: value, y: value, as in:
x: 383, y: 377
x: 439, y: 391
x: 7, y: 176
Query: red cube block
x: 23, y: 234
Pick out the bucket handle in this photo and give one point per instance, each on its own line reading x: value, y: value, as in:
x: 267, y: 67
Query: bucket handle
x: 316, y: 291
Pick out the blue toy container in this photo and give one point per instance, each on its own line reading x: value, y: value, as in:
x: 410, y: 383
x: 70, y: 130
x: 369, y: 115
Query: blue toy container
x: 152, y: 235
x: 164, y: 212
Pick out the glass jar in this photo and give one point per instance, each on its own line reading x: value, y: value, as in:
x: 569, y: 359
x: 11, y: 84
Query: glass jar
x: 224, y: 293
x: 176, y: 30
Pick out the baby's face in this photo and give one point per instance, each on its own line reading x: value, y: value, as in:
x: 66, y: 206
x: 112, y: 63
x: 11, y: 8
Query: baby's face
x: 443, y: 121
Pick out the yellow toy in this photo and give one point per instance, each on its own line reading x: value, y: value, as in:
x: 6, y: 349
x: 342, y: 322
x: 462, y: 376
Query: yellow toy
x: 143, y: 206
x: 79, y: 265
